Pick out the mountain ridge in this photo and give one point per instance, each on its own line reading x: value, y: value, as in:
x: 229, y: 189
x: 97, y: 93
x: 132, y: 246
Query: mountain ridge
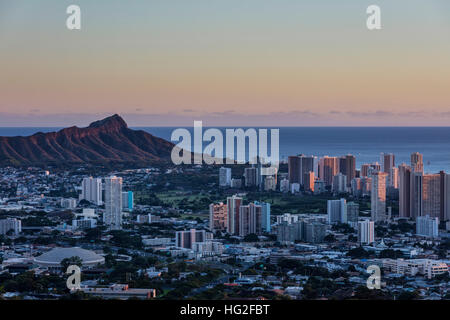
x: 106, y: 140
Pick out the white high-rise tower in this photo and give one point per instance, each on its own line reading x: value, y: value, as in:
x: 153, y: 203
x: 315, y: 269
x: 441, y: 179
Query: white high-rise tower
x: 113, y: 203
x: 91, y: 190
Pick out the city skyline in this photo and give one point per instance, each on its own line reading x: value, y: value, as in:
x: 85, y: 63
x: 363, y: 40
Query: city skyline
x: 252, y: 63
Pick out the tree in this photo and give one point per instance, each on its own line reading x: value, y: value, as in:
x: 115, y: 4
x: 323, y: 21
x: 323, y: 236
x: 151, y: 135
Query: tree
x: 330, y: 238
x: 358, y: 253
x: 364, y: 293
x: 408, y: 295
x: 251, y: 238
x: 389, y: 253
x: 75, y: 260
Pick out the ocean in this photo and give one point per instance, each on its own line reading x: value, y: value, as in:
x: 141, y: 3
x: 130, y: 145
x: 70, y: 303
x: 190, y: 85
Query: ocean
x: 366, y: 143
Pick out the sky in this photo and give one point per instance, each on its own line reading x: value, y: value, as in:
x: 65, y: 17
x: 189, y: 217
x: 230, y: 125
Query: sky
x: 225, y: 62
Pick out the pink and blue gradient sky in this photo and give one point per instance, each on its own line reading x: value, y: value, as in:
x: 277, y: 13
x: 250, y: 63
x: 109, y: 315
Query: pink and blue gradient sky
x: 233, y: 62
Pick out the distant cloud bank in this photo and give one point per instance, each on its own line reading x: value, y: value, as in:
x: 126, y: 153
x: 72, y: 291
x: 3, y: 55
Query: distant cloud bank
x: 233, y: 118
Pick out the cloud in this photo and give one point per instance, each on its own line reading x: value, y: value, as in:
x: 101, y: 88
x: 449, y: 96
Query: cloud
x: 233, y: 118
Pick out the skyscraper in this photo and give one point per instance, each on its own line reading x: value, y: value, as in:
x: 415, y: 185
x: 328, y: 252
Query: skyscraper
x: 294, y: 169
x: 366, y: 232
x: 298, y: 166
x: 186, y: 239
x: 388, y: 166
x: 309, y: 181
x: 270, y: 183
x: 224, y: 177
x: 251, y: 177
x: 284, y: 185
x: 431, y: 195
x: 352, y: 212
x: 445, y: 196
x: 404, y: 179
x: 265, y: 216
x: 250, y: 219
x: 368, y: 168
x: 328, y: 168
x: 337, y: 211
x: 416, y: 194
x: 127, y: 200
x: 427, y: 226
x: 113, y: 203
x: 417, y: 162
x: 378, y: 196
x: 356, y: 187
x: 393, y: 177
x: 387, y: 162
x: 347, y: 166
x: 218, y: 217
x: 91, y: 190
x: 339, y: 183
x: 307, y: 165
x: 10, y: 224
x: 233, y: 205
x: 315, y: 232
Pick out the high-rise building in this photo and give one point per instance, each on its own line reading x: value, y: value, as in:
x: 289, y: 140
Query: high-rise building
x: 356, y: 187
x: 69, y: 203
x: 236, y: 183
x: 319, y: 187
x: 233, y: 205
x: 393, y: 178
x: 290, y: 232
x: 404, y: 180
x: 250, y: 219
x: 128, y: 200
x: 417, y: 162
x: 91, y: 190
x: 423, y: 194
x: 308, y: 164
x: 284, y: 185
x: 388, y: 166
x: 294, y: 169
x: 328, y: 168
x: 366, y: 232
x: 347, y: 166
x: 368, y: 168
x: 367, y: 186
x: 295, y: 187
x: 427, y: 226
x: 224, y: 177
x: 361, y: 186
x: 416, y: 193
x: 218, y: 217
x: 352, y: 212
x: 270, y: 183
x: 113, y: 203
x: 387, y: 162
x: 339, y: 183
x: 373, y: 168
x: 337, y: 211
x: 378, y: 196
x: 445, y: 196
x: 10, y: 224
x: 308, y: 180
x: 364, y: 170
x: 431, y: 195
x: 265, y: 216
x: 315, y: 232
x: 85, y: 223
x: 251, y: 177
x: 186, y: 239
